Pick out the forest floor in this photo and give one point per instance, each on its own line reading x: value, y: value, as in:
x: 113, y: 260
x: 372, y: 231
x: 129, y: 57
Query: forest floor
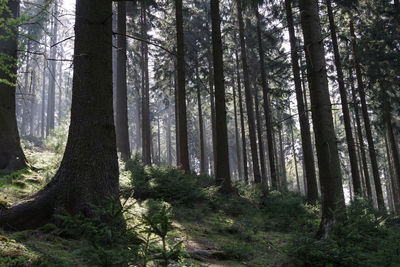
x: 251, y: 227
x: 211, y: 237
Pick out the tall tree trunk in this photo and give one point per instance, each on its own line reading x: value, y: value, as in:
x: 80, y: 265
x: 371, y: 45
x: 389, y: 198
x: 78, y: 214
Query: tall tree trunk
x: 52, y: 82
x: 394, y: 152
x: 212, y: 107
x: 308, y: 155
x: 367, y: 124
x: 295, y: 159
x: 146, y: 124
x: 360, y: 135
x: 392, y: 188
x: 26, y: 94
x: 60, y: 89
x: 355, y: 174
x: 249, y: 97
x: 238, y: 156
x: 43, y: 112
x: 267, y: 105
x: 260, y: 138
x: 241, y: 113
x: 183, y: 163
x: 201, y: 131
x: 327, y: 152
x: 222, y: 175
x: 78, y: 184
x: 282, y: 160
x: 121, y: 123
x: 11, y: 155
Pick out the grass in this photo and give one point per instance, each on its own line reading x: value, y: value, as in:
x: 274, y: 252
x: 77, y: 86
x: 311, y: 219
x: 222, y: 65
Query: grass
x: 251, y: 227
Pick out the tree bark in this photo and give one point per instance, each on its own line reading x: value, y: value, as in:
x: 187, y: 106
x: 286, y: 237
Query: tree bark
x: 355, y: 174
x: 183, y: 163
x: 261, y: 150
x: 121, y: 124
x: 249, y: 97
x: 78, y: 184
x: 367, y: 123
x: 308, y: 155
x: 201, y: 127
x: 327, y: 152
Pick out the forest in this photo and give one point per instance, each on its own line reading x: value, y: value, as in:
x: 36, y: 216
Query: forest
x: 200, y: 133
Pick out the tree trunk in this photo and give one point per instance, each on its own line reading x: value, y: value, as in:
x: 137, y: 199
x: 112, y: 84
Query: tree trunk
x: 392, y: 188
x: 78, y: 184
x: 60, y: 89
x: 183, y: 163
x: 308, y: 156
x: 355, y: 174
x: 238, y: 157
x: 360, y: 136
x: 249, y: 97
x: 295, y: 159
x: 51, y: 101
x: 11, y: 155
x: 261, y: 150
x: 241, y: 113
x: 282, y: 159
x: 367, y: 124
x: 327, y: 152
x: 121, y: 123
x: 146, y: 127
x: 394, y: 152
x: 222, y: 175
x: 201, y: 124
x: 267, y: 105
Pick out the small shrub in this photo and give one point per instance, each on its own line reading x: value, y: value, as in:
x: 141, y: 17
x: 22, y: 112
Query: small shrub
x: 362, y: 240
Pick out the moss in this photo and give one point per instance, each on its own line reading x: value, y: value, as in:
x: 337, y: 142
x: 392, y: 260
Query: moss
x: 4, y: 205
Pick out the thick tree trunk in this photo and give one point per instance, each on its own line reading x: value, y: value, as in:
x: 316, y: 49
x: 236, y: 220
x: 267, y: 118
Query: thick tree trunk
x: 355, y: 174
x: 249, y: 97
x: 327, y: 152
x: 222, y: 175
x: 308, y: 155
x: 267, y: 105
x: 183, y: 163
x: 367, y: 123
x: 392, y: 188
x: 242, y: 127
x: 91, y: 140
x: 11, y: 155
x: 121, y: 123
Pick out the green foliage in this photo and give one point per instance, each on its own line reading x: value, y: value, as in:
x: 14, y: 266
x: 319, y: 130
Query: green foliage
x: 166, y: 183
x: 238, y: 250
x: 57, y: 139
x: 113, y: 243
x: 159, y: 225
x: 364, y: 239
x: 288, y: 212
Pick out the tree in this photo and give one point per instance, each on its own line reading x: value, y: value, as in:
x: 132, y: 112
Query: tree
x: 121, y: 123
x: 327, y: 152
x: 183, y: 162
x: 91, y: 139
x: 222, y: 174
x: 248, y: 95
x: 309, y: 166
x: 267, y: 105
x: 367, y: 123
x: 11, y: 155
